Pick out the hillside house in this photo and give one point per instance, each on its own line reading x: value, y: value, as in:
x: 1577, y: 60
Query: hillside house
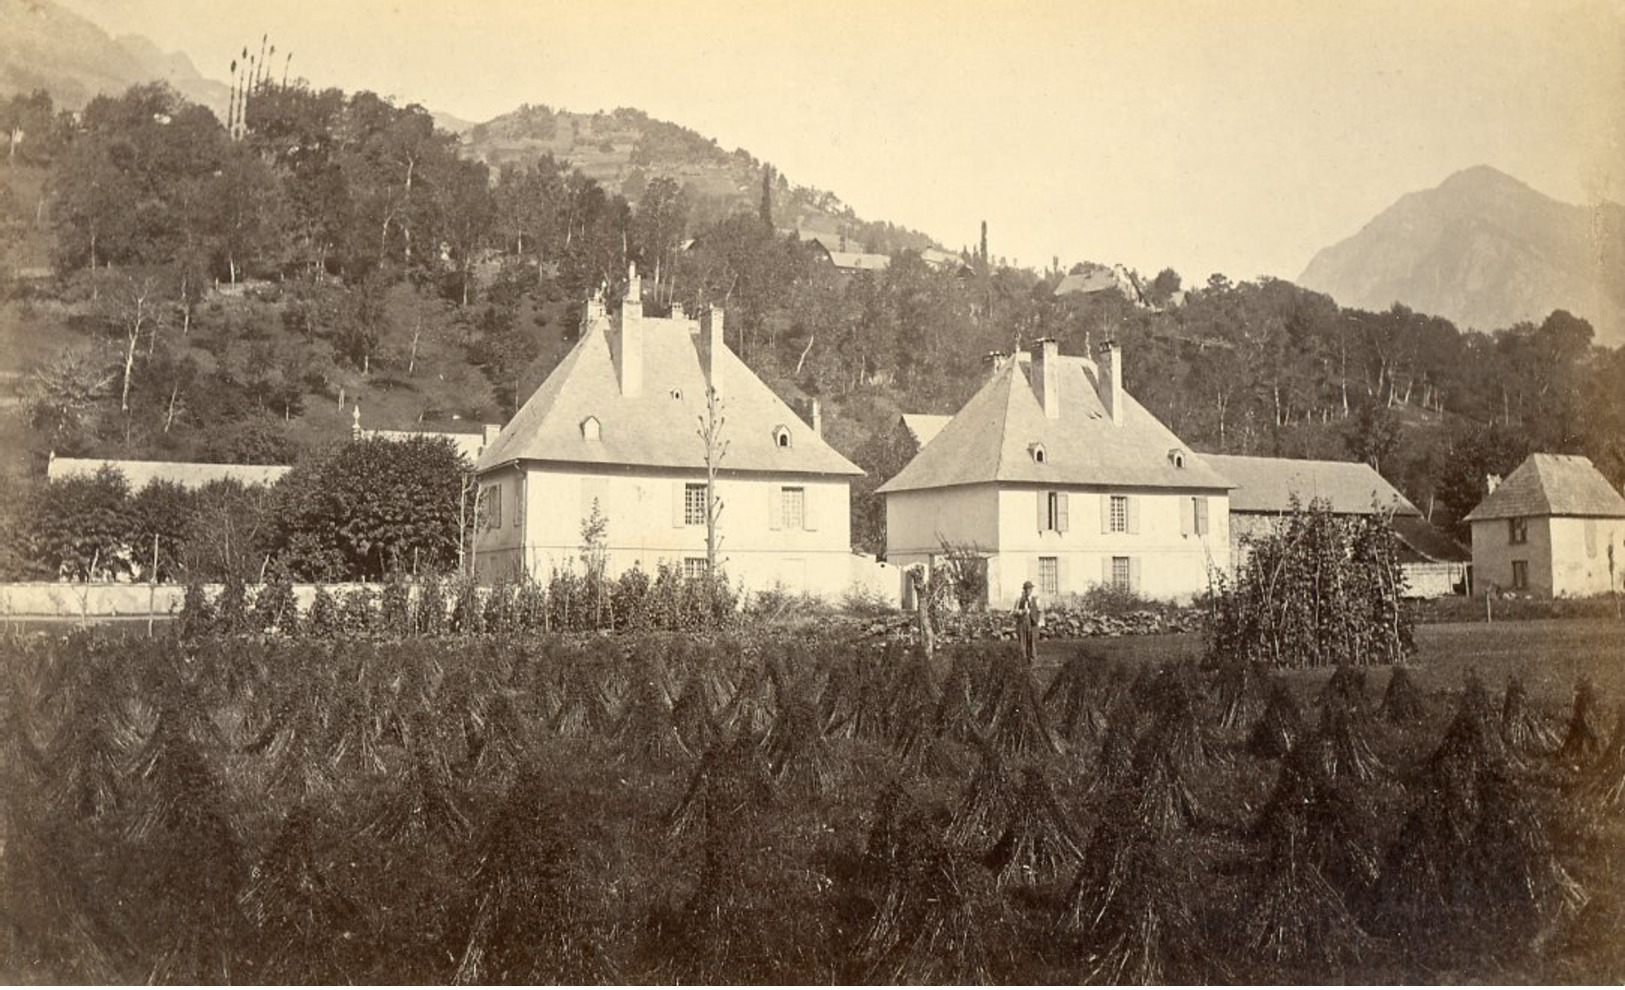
x: 1055, y: 474
x: 617, y: 425
x: 1553, y: 527
x: 1433, y: 563
x: 468, y: 442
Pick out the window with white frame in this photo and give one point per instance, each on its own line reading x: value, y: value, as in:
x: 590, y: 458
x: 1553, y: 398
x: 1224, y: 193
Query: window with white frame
x: 1119, y: 514
x: 694, y: 504
x: 1122, y: 574
x: 793, y: 508
x: 1049, y: 576
x: 695, y: 568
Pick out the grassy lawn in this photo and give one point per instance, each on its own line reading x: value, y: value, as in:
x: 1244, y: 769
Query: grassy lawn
x: 1551, y: 655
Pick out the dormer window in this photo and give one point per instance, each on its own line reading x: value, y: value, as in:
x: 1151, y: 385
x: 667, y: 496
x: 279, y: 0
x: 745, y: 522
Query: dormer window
x: 1176, y: 457
x: 590, y: 428
x: 1040, y: 455
x: 781, y: 436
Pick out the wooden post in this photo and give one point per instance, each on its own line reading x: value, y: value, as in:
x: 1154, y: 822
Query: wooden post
x: 152, y: 586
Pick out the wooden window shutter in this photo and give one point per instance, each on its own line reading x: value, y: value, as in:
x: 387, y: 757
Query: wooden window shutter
x: 1062, y: 523
x: 679, y: 493
x: 1187, y: 519
x: 1201, y: 515
x: 775, y: 507
x: 1043, y: 511
x: 809, y: 498
x: 1106, y: 571
x: 1062, y: 585
x: 1134, y: 574
x: 1133, y: 513
x: 1032, y: 573
x: 1106, y: 516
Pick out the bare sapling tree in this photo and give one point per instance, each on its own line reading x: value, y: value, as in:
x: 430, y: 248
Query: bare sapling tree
x: 712, y: 424
x: 134, y: 311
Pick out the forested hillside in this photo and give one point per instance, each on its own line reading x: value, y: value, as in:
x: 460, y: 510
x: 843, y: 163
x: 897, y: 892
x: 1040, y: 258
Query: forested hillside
x: 175, y: 290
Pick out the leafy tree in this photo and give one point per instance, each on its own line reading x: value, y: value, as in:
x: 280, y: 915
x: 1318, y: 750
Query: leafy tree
x: 80, y: 527
x: 370, y: 506
x: 161, y: 514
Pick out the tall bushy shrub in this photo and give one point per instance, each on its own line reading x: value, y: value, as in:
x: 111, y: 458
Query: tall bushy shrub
x: 1320, y: 590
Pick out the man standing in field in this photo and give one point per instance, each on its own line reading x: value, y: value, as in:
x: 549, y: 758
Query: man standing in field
x: 1029, y: 618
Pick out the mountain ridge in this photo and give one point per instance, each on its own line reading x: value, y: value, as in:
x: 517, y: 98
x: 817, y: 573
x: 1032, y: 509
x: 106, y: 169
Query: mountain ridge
x: 43, y: 45
x: 1484, y: 250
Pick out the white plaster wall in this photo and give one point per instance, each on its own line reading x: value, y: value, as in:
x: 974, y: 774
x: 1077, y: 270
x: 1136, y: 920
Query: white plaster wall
x: 1579, y: 568
x: 1172, y: 563
x: 1493, y: 554
x: 918, y: 522
x: 645, y: 526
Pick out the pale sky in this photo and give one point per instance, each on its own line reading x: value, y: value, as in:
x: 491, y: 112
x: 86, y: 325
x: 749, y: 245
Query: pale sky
x: 1237, y: 136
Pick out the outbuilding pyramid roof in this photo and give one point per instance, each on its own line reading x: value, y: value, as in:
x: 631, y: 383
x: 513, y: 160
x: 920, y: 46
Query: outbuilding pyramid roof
x: 1552, y: 485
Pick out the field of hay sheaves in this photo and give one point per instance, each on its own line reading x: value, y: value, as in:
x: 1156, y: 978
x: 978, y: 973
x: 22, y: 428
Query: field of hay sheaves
x: 376, y: 785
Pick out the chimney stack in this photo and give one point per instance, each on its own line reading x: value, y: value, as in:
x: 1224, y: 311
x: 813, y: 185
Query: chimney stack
x: 1491, y: 482
x: 712, y: 342
x: 1046, y: 375
x: 632, y: 335
x: 995, y: 361
x: 1109, y: 361
x: 817, y: 416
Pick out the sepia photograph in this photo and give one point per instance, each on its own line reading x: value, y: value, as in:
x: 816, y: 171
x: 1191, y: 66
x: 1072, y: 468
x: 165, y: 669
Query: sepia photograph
x: 544, y: 492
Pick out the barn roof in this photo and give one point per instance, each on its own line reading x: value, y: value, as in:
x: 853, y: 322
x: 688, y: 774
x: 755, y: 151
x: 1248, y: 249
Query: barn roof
x: 1552, y: 485
x: 1268, y: 484
x: 923, y: 426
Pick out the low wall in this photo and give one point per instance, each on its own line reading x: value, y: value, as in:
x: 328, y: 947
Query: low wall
x: 65, y: 600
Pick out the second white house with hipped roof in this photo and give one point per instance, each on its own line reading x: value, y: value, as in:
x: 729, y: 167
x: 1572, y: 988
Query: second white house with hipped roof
x: 617, y: 425
x: 1055, y: 474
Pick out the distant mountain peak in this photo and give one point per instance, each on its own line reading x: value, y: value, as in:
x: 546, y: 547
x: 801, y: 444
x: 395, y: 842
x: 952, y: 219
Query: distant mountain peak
x: 1484, y: 250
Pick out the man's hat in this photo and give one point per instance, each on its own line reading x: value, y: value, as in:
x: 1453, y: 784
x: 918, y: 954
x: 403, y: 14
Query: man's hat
x: 1026, y: 584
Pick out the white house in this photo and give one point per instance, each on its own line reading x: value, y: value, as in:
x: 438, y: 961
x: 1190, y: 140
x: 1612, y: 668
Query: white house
x: 1055, y: 474
x: 617, y: 424
x: 1433, y: 563
x: 1553, y: 527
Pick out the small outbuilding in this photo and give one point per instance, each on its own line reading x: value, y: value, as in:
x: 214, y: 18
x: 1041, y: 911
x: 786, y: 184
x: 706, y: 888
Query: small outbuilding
x: 1555, y: 527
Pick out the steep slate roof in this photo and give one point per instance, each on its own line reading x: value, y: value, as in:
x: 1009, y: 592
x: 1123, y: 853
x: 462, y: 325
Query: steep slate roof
x: 1267, y: 484
x: 654, y: 429
x: 184, y: 473
x: 990, y: 440
x: 1552, y: 485
x: 923, y: 426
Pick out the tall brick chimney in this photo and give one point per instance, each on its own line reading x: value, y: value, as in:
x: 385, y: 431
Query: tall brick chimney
x: 711, y: 345
x: 1109, y: 361
x: 1047, y: 375
x: 632, y: 335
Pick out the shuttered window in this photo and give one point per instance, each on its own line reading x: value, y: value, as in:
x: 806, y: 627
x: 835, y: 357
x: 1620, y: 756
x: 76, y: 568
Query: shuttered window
x: 793, y: 512
x: 1122, y: 574
x: 1199, y: 514
x: 1119, y: 514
